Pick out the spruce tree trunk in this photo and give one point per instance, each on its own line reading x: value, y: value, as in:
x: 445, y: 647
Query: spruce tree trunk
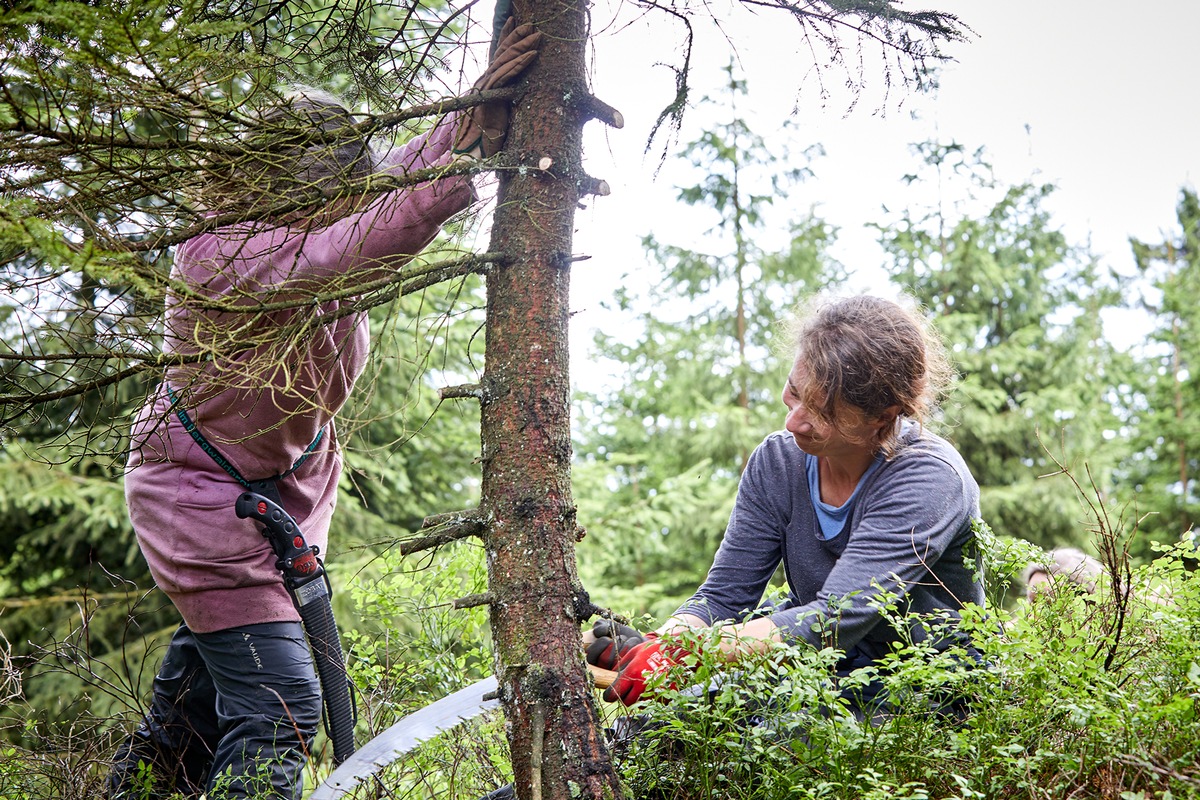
x: 537, y: 603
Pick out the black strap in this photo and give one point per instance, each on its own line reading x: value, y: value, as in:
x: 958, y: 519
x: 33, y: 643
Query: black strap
x: 264, y: 486
x: 268, y: 488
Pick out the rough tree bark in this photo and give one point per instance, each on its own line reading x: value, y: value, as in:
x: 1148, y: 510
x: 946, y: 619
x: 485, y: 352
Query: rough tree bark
x: 527, y: 508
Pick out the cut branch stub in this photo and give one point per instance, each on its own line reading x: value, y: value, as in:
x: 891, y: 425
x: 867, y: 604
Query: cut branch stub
x: 463, y: 391
x: 594, y: 186
x: 473, y: 600
x: 443, y: 529
x: 595, y: 108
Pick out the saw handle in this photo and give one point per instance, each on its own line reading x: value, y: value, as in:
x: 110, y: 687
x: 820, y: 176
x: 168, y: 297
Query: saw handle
x: 602, y: 678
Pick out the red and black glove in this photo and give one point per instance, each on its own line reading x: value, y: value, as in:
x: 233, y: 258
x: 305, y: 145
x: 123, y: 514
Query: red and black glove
x: 611, y: 641
x: 645, y: 660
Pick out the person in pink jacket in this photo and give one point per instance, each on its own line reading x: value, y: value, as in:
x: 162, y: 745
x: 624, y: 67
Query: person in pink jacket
x: 236, y: 702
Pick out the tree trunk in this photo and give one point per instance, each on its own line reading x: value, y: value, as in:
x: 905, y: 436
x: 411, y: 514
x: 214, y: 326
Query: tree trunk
x: 537, y: 602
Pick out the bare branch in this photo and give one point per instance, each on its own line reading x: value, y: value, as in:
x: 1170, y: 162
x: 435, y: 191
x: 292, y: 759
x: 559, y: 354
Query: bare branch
x: 473, y: 600
x: 443, y: 529
x: 596, y: 108
x: 461, y: 392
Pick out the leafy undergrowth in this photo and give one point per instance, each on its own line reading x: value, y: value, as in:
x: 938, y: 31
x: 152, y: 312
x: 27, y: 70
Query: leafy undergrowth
x: 1071, y: 696
x: 1067, y: 697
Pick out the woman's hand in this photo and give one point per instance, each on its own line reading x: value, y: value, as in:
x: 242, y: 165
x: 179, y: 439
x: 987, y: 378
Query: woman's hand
x: 653, y: 656
x: 607, y: 641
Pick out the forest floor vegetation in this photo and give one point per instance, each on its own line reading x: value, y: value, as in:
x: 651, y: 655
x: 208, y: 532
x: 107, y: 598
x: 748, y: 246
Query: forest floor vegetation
x: 1072, y: 695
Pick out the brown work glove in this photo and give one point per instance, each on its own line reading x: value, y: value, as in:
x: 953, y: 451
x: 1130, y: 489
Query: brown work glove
x: 483, y: 128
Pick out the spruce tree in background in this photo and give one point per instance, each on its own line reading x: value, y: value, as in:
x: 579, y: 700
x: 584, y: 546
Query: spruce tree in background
x: 1019, y: 307
x: 1160, y: 477
x: 700, y: 381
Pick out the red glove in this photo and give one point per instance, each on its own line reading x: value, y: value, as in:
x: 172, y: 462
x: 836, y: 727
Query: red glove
x: 640, y: 663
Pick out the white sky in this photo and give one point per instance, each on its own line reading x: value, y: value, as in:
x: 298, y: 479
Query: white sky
x: 1095, y: 97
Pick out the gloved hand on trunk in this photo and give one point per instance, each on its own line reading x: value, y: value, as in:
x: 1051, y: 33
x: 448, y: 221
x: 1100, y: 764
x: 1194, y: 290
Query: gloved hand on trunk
x: 483, y: 128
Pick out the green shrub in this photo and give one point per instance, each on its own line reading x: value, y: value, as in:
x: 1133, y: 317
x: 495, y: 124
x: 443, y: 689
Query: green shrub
x: 1067, y: 703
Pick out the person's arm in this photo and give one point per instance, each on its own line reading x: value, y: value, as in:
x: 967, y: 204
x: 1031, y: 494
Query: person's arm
x: 296, y: 262
x: 370, y: 244
x: 749, y: 554
x: 737, y: 639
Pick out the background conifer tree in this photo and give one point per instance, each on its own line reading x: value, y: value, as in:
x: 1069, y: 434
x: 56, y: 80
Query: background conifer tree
x: 699, y: 381
x: 1160, y: 476
x: 1020, y: 310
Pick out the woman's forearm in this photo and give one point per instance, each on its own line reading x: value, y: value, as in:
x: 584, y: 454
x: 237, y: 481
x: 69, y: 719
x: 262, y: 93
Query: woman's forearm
x: 735, y: 640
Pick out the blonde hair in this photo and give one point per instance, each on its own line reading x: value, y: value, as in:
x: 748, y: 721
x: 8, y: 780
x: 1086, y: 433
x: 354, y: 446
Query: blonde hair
x: 1071, y: 563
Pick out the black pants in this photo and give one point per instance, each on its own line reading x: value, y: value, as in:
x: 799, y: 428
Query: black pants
x: 233, y: 715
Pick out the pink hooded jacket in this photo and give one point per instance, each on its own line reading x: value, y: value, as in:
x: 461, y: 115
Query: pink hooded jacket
x: 261, y: 409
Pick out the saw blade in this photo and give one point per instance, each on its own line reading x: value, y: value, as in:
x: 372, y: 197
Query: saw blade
x: 419, y: 726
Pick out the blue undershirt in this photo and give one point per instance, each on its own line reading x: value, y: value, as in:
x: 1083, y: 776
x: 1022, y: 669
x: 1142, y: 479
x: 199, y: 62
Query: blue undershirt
x: 833, y: 518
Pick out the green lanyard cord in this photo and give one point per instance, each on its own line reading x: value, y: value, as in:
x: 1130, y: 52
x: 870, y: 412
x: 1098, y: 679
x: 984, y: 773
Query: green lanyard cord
x: 215, y: 454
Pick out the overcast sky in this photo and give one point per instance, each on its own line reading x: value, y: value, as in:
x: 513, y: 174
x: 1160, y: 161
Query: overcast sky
x: 1095, y: 97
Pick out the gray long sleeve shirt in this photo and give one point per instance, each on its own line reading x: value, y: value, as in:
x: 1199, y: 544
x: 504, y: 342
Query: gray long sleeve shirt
x: 909, y: 535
